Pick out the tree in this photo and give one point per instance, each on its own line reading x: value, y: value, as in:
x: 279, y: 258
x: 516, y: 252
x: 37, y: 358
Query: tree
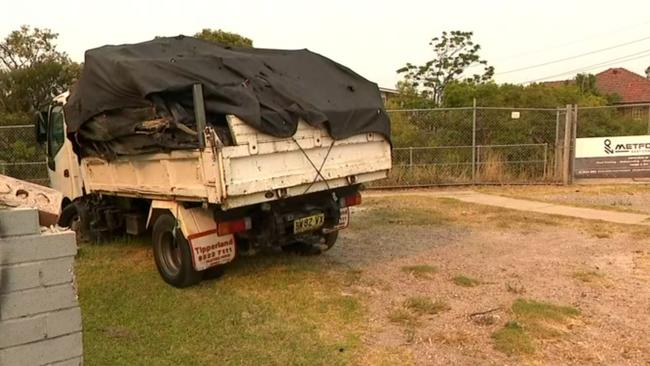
x: 454, y: 54
x: 587, y: 84
x: 32, y: 70
x: 224, y: 38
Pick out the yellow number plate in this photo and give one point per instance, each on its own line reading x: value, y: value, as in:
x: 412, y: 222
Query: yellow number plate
x: 308, y: 223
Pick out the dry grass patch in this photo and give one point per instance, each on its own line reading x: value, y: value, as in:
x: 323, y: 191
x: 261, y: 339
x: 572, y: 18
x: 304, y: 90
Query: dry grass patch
x: 588, y: 276
x: 403, y: 317
x: 465, y: 281
x: 423, y: 305
x: 420, y: 270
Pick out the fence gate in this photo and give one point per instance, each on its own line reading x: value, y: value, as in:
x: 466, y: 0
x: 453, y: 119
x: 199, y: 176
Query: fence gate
x: 477, y: 145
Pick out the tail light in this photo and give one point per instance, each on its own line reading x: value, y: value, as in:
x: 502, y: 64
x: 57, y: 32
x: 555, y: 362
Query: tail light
x: 352, y: 200
x: 235, y: 226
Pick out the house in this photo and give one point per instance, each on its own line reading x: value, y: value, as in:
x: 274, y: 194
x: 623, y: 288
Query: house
x: 387, y: 94
x: 630, y: 87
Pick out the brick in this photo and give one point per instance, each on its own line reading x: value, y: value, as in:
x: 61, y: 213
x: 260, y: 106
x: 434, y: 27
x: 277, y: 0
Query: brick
x: 19, y: 221
x: 31, y: 248
x: 44, y: 352
x: 22, y: 330
x: 34, y: 274
x: 19, y: 277
x: 63, y: 322
x: 77, y: 361
x: 56, y: 271
x: 38, y: 300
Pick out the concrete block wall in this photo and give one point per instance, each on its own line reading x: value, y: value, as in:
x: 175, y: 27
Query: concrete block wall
x: 40, y: 318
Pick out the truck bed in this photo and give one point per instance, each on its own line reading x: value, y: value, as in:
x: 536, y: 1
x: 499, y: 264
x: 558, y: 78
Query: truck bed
x: 257, y: 168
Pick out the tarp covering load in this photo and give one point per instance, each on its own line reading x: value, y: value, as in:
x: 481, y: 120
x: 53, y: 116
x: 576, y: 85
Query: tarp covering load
x: 138, y: 98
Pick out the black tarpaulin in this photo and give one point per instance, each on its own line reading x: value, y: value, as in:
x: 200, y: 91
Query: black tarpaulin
x: 268, y: 89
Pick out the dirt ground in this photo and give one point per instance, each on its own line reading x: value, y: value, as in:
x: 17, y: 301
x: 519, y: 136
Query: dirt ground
x: 601, y: 270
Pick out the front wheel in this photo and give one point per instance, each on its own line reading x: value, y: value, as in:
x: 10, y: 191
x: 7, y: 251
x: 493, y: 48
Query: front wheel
x: 172, y: 253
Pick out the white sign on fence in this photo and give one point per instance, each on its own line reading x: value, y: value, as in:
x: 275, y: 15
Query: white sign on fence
x: 613, y: 157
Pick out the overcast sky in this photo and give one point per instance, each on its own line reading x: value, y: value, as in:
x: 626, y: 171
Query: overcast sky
x: 374, y: 38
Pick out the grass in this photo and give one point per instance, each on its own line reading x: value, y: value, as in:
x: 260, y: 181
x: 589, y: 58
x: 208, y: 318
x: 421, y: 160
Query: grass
x: 465, y: 281
x: 588, y: 276
x: 421, y: 305
x: 273, y: 309
x: 420, y: 270
x: 403, y: 317
x: 513, y: 340
x: 532, y: 320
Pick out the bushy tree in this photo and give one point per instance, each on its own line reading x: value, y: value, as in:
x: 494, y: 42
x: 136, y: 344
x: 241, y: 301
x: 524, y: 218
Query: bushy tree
x: 455, y: 53
x: 32, y: 69
x: 224, y: 38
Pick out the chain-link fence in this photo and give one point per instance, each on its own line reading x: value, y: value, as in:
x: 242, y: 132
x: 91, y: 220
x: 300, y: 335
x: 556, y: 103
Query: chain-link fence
x: 619, y: 120
x: 476, y: 145
x: 20, y: 156
x: 480, y: 145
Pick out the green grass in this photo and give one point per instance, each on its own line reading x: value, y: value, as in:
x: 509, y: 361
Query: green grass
x: 423, y: 305
x: 513, y: 340
x: 532, y: 320
x: 273, y: 309
x: 420, y: 270
x: 465, y: 281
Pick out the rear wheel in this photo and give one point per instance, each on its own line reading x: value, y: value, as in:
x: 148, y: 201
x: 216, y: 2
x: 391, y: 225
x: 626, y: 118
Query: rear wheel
x: 329, y: 240
x: 75, y: 217
x: 172, y: 253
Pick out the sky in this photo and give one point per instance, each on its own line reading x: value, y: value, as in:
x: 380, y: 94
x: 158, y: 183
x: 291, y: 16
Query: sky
x: 374, y: 38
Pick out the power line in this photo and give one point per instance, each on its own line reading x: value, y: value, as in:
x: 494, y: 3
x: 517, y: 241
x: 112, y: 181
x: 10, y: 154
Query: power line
x: 574, y: 57
x: 580, y: 40
x: 629, y: 57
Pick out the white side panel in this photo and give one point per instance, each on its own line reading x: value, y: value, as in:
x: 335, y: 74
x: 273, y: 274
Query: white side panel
x: 284, y: 163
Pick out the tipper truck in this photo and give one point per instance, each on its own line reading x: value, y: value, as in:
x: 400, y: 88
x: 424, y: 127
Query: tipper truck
x: 232, y: 189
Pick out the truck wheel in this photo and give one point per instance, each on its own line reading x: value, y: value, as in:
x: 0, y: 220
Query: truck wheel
x: 172, y: 253
x: 330, y: 240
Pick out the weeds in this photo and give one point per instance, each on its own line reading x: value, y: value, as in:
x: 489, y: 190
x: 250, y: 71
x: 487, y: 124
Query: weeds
x: 420, y: 270
x: 465, y: 281
x: 423, y: 305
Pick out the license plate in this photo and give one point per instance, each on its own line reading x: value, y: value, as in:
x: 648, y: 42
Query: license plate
x: 308, y: 223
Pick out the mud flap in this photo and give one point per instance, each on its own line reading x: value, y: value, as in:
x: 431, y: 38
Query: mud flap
x: 208, y: 248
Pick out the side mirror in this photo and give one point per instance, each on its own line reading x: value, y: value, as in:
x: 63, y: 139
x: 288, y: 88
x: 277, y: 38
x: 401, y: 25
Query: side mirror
x: 40, y: 126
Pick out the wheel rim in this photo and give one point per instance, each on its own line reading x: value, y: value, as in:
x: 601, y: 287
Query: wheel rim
x: 170, y: 253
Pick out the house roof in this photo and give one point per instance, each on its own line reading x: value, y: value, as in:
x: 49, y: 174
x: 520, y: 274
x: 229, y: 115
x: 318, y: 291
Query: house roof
x: 631, y: 87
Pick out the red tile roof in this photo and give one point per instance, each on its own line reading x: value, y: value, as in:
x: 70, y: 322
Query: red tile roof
x: 631, y: 87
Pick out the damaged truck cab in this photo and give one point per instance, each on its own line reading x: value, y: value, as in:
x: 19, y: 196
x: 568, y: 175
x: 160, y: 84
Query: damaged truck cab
x: 228, y: 197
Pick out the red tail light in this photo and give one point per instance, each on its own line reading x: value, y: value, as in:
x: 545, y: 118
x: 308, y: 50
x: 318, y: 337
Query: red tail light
x: 352, y: 200
x: 235, y: 226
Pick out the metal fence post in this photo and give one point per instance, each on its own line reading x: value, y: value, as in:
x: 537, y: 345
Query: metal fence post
x: 474, y: 141
x: 574, y: 135
x: 411, y: 158
x: 545, y: 160
x: 566, y: 150
x: 557, y: 163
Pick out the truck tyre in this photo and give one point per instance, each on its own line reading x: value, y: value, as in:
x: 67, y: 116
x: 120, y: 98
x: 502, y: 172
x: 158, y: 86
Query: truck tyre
x: 172, y: 254
x: 75, y: 217
x: 330, y: 240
